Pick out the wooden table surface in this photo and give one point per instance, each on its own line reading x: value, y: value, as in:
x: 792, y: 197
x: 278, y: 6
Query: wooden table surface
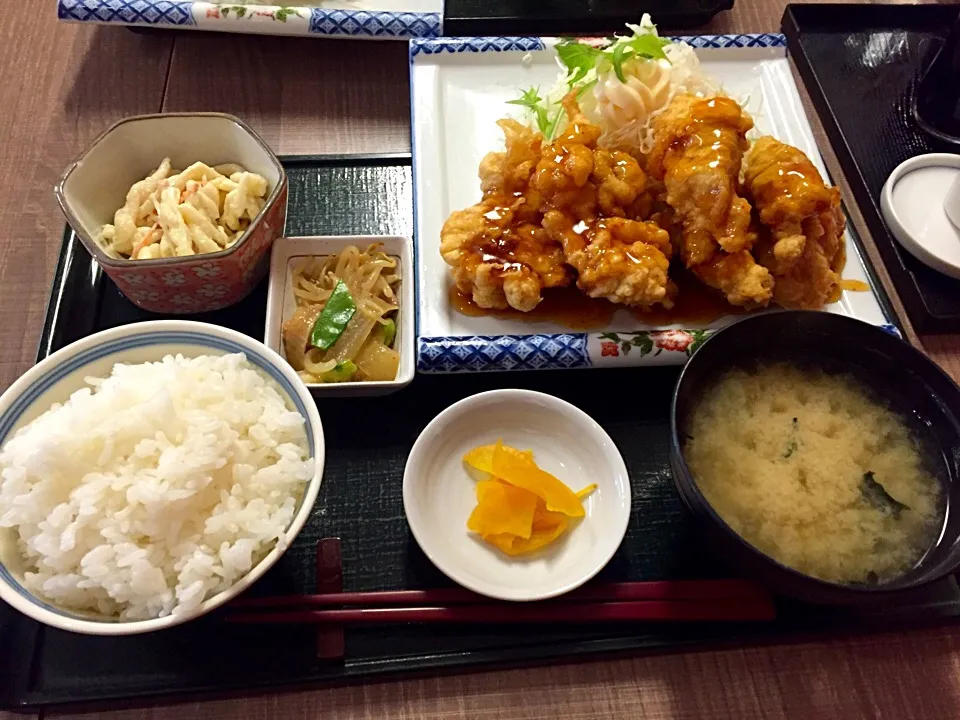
x: 66, y: 83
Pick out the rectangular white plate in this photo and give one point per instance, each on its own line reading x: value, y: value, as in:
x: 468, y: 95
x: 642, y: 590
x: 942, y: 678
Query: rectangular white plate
x: 460, y: 87
x: 361, y: 19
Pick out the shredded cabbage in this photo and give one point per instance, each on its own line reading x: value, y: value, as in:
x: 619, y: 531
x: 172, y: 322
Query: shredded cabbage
x: 621, y: 86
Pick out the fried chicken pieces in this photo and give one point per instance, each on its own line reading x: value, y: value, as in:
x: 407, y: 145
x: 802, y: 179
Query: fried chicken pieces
x: 803, y: 246
x: 500, y: 254
x: 564, y: 211
x: 550, y: 212
x: 698, y: 153
x: 592, y: 201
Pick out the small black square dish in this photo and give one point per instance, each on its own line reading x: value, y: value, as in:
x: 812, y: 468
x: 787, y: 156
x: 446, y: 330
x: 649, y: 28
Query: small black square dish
x: 937, y: 103
x: 866, y: 69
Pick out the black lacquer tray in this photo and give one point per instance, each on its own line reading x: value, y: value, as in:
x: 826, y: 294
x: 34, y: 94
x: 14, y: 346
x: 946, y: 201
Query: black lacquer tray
x: 860, y: 64
x: 571, y: 17
x: 360, y: 502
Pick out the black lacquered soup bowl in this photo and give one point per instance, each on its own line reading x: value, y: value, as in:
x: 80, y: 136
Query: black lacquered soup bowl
x: 910, y: 382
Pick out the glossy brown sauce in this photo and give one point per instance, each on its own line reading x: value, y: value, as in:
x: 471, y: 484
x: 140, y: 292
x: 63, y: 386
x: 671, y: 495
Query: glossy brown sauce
x: 567, y: 307
x: 511, y: 247
x: 854, y: 285
x: 696, y: 304
x: 711, y: 139
x: 511, y: 244
x: 850, y: 285
x: 782, y: 173
x: 797, y: 181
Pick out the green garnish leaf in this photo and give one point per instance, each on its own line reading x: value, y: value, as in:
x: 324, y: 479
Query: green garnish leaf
x: 552, y: 126
x: 583, y: 62
x: 531, y: 100
x: 641, y: 46
x: 875, y: 494
x: 333, y: 319
x: 791, y: 449
x: 578, y: 58
x: 549, y: 124
x: 582, y: 90
x: 792, y: 443
x: 618, y: 52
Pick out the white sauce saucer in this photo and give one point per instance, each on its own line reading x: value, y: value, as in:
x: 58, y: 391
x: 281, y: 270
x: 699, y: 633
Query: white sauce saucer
x: 913, y: 203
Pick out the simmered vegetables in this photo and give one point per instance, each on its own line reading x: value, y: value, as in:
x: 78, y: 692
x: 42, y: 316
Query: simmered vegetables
x: 344, y: 328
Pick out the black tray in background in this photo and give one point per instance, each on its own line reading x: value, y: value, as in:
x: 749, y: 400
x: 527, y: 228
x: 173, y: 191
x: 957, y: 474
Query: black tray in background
x: 860, y: 65
x: 571, y: 17
x: 360, y: 501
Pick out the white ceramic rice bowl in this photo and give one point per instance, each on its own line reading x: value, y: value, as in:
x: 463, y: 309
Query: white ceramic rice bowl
x: 63, y: 372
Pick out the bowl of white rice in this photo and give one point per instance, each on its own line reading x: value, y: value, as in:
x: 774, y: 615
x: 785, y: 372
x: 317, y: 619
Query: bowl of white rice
x: 149, y: 474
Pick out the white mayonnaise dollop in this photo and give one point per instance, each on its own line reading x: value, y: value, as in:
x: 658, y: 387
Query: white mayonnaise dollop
x: 646, y: 90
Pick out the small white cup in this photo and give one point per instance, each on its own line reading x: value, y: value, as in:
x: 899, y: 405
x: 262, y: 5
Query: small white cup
x: 951, y: 204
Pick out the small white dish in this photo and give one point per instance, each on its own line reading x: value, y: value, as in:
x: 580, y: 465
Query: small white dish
x: 914, y: 205
x: 439, y: 494
x: 281, y: 305
x: 951, y: 205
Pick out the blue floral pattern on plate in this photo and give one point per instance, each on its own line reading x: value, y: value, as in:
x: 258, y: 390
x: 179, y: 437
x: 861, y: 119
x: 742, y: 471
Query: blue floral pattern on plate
x: 362, y: 23
x: 476, y: 45
x: 128, y: 12
x: 255, y: 18
x: 530, y: 44
x: 485, y: 353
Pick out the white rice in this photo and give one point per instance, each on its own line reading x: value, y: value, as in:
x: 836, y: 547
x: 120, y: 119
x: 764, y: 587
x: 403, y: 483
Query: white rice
x: 156, y: 488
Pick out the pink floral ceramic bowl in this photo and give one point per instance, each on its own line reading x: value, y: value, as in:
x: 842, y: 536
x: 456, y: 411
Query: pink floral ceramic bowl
x: 94, y: 187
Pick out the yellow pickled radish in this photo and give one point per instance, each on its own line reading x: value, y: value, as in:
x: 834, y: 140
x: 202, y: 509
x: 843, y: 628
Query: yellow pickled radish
x: 543, y: 518
x: 513, y: 545
x: 520, y: 470
x: 481, y: 458
x: 520, y: 508
x: 581, y: 494
x: 502, y: 508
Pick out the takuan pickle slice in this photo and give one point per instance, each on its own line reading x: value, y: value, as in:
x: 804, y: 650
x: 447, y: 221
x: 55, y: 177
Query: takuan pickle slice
x: 520, y: 508
x: 502, y: 508
x: 520, y: 470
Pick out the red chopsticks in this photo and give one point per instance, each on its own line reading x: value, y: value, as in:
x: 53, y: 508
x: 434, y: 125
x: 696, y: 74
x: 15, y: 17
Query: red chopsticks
x: 628, y: 591
x: 526, y: 613
x: 700, y: 600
